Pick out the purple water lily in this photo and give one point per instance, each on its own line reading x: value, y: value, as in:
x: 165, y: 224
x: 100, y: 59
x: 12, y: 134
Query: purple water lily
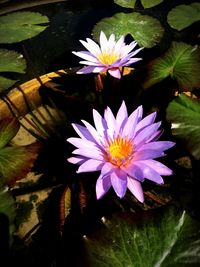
x: 123, y: 148
x: 109, y: 56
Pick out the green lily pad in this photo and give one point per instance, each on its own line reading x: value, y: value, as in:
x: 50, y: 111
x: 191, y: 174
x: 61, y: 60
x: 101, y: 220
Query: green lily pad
x: 126, y: 3
x: 183, y: 16
x: 7, y: 216
x: 8, y: 129
x: 146, y: 30
x: 6, y: 83
x: 16, y: 162
x: 159, y: 238
x: 184, y: 114
x: 18, y: 26
x: 150, y: 3
x: 11, y: 61
x: 181, y: 62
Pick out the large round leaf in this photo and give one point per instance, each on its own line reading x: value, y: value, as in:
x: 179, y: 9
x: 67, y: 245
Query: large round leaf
x: 184, y: 114
x: 126, y: 3
x: 18, y: 26
x: 146, y: 30
x: 181, y: 62
x: 11, y: 61
x: 183, y: 16
x: 161, y: 238
x: 150, y: 3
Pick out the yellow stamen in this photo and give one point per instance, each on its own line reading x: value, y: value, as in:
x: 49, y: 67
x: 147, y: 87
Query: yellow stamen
x: 120, y: 151
x: 107, y: 58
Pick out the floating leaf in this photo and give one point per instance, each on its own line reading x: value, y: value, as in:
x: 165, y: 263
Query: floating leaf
x: 16, y: 162
x: 11, y: 61
x: 7, y: 216
x: 18, y: 26
x: 181, y: 62
x: 146, y: 30
x: 183, y: 16
x: 126, y: 3
x: 150, y: 3
x: 8, y: 129
x: 184, y: 114
x: 161, y: 238
x: 6, y: 83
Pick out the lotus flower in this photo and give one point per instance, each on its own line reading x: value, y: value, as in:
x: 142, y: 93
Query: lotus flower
x: 109, y: 56
x: 123, y: 148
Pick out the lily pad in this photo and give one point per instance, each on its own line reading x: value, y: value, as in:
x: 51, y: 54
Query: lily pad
x: 6, y: 83
x: 184, y: 114
x: 11, y: 61
x: 159, y: 238
x: 126, y: 3
x: 181, y: 62
x: 8, y: 129
x: 7, y: 216
x: 150, y: 3
x: 183, y: 16
x: 16, y: 162
x: 18, y: 26
x: 146, y: 30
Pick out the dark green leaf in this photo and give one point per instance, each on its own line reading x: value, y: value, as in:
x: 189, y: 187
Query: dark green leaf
x: 126, y: 3
x: 6, y: 83
x: 181, y: 62
x: 150, y: 3
x: 7, y: 216
x: 11, y: 61
x: 8, y: 129
x: 159, y: 238
x: 18, y: 26
x: 184, y: 114
x: 183, y: 16
x: 146, y: 30
x: 16, y: 162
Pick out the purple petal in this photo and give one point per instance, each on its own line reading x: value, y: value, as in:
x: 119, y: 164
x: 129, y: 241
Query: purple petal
x: 148, y: 154
x: 103, y: 41
x: 119, y: 182
x: 129, y: 127
x: 146, y: 133
x: 91, y: 46
x: 92, y: 131
x: 83, y: 132
x: 158, y: 145
x: 121, y: 117
x: 99, y: 122
x: 90, y: 166
x: 86, y: 55
x: 115, y: 72
x: 136, y: 189
x: 103, y: 184
x: 111, y: 122
x: 158, y: 167
x: 81, y: 143
x: 134, y: 171
x: 89, y: 153
x: 149, y: 173
x: 76, y: 160
x: 107, y: 168
x: 86, y: 70
x: 148, y: 120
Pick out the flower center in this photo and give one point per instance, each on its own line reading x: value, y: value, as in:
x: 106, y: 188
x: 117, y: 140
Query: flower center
x: 107, y: 58
x: 120, y: 151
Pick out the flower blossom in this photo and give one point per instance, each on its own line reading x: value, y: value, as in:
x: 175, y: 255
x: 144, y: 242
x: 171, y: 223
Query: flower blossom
x: 109, y: 56
x: 123, y: 148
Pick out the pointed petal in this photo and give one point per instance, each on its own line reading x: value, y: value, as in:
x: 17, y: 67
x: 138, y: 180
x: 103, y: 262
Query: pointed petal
x: 134, y: 171
x: 136, y: 189
x: 119, y: 182
x: 90, y: 166
x: 115, y: 73
x: 91, y: 46
x: 76, y: 160
x: 148, y: 120
x: 86, y: 55
x: 89, y: 153
x: 82, y: 132
x: 157, y: 145
x: 81, y: 143
x: 103, y: 41
x: 103, y: 184
x: 158, y: 167
x: 148, y: 154
x: 92, y: 131
x: 100, y: 123
x: 130, y: 125
x: 118, y: 46
x: 121, y: 117
x: 111, y: 122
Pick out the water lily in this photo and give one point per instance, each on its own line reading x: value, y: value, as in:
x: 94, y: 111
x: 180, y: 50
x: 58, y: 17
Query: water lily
x: 123, y: 148
x: 109, y: 56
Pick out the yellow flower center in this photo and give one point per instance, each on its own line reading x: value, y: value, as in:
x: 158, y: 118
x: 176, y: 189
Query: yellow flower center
x: 107, y: 58
x: 120, y: 151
